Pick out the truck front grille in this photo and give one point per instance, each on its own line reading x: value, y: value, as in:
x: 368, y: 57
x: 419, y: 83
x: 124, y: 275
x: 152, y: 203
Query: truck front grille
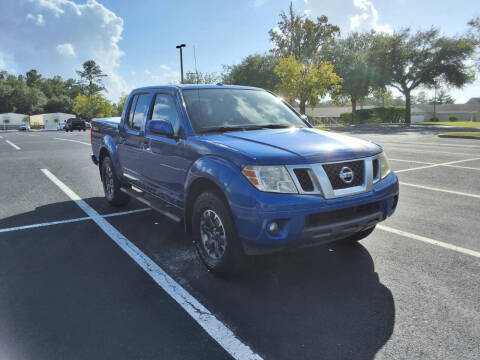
x: 333, y: 173
x: 304, y: 179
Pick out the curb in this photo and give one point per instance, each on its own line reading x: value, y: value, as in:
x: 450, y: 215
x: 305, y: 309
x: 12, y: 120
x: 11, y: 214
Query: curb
x: 459, y: 137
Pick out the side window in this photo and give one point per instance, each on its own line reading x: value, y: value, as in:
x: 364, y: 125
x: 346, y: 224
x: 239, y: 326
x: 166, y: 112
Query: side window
x: 164, y: 109
x: 140, y: 111
x: 131, y: 112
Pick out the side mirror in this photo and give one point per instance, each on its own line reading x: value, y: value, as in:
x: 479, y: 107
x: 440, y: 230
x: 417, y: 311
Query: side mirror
x: 161, y: 127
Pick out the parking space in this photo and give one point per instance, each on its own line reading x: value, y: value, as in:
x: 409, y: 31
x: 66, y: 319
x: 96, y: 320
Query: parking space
x: 69, y: 291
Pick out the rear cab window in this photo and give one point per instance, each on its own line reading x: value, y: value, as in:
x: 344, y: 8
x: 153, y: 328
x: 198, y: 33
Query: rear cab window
x: 138, y: 111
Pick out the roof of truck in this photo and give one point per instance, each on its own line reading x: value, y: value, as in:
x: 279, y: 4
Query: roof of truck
x: 200, y: 86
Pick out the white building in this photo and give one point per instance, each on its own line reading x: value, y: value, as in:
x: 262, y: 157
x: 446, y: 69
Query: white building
x: 49, y: 121
x: 11, y: 121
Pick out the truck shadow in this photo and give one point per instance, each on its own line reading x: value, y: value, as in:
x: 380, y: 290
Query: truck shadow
x: 316, y: 303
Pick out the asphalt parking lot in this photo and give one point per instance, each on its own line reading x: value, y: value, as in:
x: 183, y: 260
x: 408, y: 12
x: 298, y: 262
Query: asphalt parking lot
x: 82, y: 280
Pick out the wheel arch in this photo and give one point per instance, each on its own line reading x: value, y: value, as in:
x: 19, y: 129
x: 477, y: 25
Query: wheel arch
x: 197, y: 187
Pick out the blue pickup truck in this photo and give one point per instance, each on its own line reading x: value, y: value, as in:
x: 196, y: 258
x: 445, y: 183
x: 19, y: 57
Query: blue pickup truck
x: 242, y: 169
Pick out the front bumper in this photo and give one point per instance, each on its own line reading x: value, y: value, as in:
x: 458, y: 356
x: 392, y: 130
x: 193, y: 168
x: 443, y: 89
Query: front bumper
x: 305, y: 220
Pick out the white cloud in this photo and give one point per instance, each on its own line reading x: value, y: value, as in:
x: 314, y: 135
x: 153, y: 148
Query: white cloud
x: 38, y: 19
x: 167, y: 76
x: 79, y: 32
x: 350, y: 15
x: 367, y: 18
x: 66, y: 49
x: 258, y: 3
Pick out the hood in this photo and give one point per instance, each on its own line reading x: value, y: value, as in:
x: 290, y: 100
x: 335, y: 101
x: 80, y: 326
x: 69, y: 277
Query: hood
x: 294, y: 146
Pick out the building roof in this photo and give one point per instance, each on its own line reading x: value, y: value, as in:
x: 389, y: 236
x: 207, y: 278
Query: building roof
x: 475, y: 100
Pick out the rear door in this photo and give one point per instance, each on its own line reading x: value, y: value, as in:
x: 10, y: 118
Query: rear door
x: 132, y: 138
x: 166, y: 175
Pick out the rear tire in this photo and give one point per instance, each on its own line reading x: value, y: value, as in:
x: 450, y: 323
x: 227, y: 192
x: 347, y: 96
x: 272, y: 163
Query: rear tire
x: 215, y: 235
x: 360, y: 235
x: 111, y: 184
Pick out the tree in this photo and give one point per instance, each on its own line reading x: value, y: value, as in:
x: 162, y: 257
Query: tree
x: 474, y: 35
x: 33, y: 78
x: 92, y: 106
x: 120, y: 105
x: 201, y: 78
x: 254, y: 70
x: 407, y: 61
x: 420, y: 98
x: 306, y: 82
x: 300, y: 37
x: 350, y: 57
x: 443, y: 97
x: 91, y: 76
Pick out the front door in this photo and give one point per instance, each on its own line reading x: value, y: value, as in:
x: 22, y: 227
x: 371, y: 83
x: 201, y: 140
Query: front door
x: 132, y: 138
x: 167, y: 168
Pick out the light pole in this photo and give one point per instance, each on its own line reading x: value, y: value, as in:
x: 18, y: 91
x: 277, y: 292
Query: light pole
x: 181, y: 59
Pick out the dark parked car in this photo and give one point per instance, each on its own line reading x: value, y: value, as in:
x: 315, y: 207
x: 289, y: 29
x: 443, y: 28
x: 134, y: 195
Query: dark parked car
x: 75, y: 124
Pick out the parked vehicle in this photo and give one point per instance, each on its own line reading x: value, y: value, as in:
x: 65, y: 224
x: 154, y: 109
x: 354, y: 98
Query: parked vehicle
x: 61, y: 126
x: 244, y: 171
x: 75, y: 124
x: 24, y: 127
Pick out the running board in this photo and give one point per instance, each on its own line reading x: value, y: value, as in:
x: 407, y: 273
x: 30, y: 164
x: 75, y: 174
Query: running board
x: 155, y: 205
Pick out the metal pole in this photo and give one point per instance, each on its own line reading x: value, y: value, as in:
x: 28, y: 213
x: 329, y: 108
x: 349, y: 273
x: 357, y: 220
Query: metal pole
x: 435, y: 102
x: 181, y: 60
x: 181, y: 63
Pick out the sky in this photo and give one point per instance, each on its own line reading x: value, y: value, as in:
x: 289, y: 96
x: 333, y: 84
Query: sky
x: 134, y: 41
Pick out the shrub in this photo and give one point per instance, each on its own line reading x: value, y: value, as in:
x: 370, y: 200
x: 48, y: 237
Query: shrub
x: 374, y: 116
x: 434, y: 119
x: 452, y: 118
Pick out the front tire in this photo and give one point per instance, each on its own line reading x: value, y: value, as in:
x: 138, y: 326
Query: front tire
x: 215, y: 235
x: 111, y: 184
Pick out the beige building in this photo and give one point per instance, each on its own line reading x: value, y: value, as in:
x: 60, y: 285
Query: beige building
x: 12, y: 121
x: 49, y: 121
x: 470, y: 111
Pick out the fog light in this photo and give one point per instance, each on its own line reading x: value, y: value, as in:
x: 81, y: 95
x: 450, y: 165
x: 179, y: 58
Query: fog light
x: 272, y: 228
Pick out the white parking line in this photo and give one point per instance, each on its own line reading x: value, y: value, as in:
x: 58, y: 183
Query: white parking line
x: 214, y: 327
x: 34, y: 226
x: 412, y: 161
x: 462, y: 167
x: 13, y: 145
x: 441, y: 190
x: 81, y: 142
x: 412, y: 149
x: 430, y: 241
x: 440, y: 145
x: 1, y: 137
x: 435, y: 165
x: 430, y: 163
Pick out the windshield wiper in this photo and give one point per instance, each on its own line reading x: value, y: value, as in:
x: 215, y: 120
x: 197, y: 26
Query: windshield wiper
x: 222, y: 129
x: 245, y: 128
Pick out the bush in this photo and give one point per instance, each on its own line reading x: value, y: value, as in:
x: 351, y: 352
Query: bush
x: 452, y: 118
x: 375, y: 116
x: 434, y: 119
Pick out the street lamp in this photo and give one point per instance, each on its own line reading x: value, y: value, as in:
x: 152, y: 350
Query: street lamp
x: 181, y: 59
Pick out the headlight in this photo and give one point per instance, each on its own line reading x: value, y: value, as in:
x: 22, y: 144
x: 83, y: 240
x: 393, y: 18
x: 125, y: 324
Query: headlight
x: 384, y: 165
x: 270, y: 178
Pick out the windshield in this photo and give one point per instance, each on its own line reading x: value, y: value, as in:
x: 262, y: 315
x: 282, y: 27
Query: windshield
x: 213, y: 110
